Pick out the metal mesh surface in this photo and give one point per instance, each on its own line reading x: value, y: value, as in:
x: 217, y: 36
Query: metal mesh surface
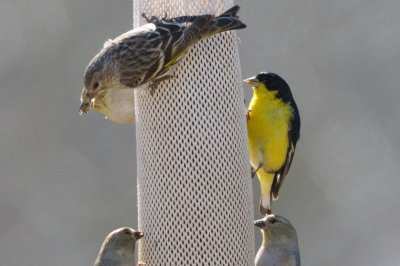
x: 194, y: 185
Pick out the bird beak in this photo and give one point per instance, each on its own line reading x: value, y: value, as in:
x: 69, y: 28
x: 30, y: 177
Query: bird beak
x: 84, y: 108
x: 85, y: 105
x: 253, y: 81
x: 260, y: 223
x: 138, y: 234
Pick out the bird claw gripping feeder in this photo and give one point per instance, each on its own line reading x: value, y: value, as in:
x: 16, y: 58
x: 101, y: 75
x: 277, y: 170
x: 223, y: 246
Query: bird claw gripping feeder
x: 194, y: 186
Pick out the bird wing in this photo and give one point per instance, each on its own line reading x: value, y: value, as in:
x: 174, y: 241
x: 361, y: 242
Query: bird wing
x: 140, y: 57
x: 184, y: 36
x: 294, y: 135
x: 146, y: 54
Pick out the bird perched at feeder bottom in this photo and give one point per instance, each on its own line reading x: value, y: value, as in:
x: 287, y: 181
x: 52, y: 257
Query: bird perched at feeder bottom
x: 117, y: 105
x: 118, y: 248
x: 273, y: 127
x: 279, y: 246
x: 148, y: 53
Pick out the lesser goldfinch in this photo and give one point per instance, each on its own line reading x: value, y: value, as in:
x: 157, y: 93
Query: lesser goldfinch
x: 273, y: 127
x: 117, y: 105
x: 147, y: 53
x: 279, y: 246
x: 118, y: 248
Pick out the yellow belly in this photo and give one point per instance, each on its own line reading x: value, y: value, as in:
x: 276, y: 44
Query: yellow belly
x: 268, y: 132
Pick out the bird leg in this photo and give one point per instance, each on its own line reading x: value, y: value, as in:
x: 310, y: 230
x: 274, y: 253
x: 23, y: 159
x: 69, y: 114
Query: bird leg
x: 181, y: 19
x: 254, y: 172
x: 154, y: 83
x: 154, y: 19
x: 247, y: 113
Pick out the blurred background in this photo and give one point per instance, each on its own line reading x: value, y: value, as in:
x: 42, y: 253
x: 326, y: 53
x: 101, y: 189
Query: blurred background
x: 67, y: 181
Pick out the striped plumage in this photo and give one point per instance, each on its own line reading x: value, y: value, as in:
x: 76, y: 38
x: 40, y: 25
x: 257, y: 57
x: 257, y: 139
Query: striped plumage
x: 147, y: 53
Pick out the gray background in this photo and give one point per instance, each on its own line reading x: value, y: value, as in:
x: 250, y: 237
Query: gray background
x: 66, y: 181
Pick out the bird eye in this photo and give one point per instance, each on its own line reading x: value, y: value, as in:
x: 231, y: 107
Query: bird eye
x: 96, y: 85
x: 273, y: 221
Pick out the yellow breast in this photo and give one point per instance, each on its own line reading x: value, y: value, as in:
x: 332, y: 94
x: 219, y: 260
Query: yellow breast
x: 268, y: 128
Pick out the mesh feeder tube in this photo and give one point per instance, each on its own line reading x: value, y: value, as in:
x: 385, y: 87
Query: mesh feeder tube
x: 195, y: 202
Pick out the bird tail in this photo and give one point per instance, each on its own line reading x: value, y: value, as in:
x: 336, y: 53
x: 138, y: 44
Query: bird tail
x: 266, y: 180
x: 201, y: 27
x: 208, y: 25
x: 205, y: 26
x: 229, y: 20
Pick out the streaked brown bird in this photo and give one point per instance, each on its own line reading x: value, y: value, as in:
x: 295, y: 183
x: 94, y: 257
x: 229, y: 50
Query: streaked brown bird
x: 148, y: 53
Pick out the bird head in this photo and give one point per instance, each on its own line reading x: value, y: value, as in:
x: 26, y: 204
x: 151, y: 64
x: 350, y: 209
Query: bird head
x: 276, y: 229
x: 100, y: 75
x: 270, y: 84
x: 119, y: 246
x: 122, y: 240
